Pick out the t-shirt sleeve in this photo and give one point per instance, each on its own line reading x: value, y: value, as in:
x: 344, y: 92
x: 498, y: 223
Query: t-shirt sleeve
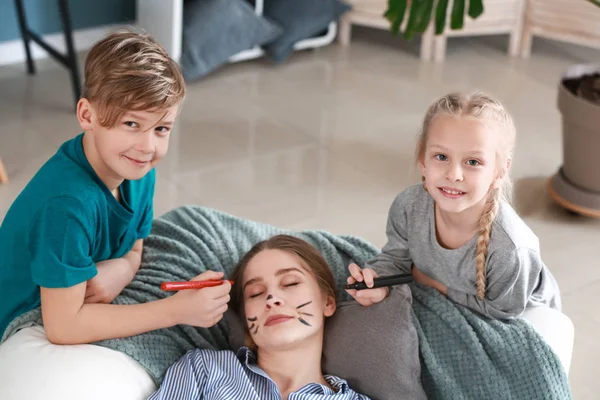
x: 145, y: 225
x: 512, y: 277
x: 184, y: 380
x: 60, y: 243
x: 394, y: 257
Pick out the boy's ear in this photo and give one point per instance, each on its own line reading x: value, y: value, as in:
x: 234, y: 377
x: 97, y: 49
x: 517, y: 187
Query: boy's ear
x: 84, y: 114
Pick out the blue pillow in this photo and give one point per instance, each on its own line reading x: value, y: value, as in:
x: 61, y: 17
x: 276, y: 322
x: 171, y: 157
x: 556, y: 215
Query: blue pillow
x: 300, y: 19
x: 215, y: 30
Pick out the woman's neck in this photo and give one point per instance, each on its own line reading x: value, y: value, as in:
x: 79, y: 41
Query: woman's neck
x: 293, y: 368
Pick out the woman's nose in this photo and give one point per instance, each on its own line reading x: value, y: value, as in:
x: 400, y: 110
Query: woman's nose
x: 273, y: 301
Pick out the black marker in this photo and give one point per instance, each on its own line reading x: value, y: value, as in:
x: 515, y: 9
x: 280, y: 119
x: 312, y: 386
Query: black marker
x: 382, y: 281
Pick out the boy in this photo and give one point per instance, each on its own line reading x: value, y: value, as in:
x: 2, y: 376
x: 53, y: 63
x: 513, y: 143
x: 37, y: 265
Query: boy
x: 73, y: 239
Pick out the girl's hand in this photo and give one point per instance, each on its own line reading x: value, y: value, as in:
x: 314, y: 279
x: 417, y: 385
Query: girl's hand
x: 423, y: 279
x: 366, y: 297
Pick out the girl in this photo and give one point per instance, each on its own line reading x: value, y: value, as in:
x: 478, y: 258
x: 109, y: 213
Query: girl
x: 284, y: 290
x: 457, y: 232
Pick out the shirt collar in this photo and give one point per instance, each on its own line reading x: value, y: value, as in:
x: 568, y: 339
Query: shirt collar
x: 248, y: 358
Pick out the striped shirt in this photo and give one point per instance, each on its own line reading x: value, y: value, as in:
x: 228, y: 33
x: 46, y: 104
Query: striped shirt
x: 222, y: 375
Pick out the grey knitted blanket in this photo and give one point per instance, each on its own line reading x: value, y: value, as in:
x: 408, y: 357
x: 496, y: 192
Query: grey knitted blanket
x: 463, y: 355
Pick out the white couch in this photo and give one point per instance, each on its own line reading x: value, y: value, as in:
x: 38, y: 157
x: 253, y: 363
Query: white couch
x: 93, y: 372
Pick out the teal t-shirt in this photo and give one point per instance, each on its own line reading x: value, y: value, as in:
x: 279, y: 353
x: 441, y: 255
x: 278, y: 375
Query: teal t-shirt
x: 63, y: 223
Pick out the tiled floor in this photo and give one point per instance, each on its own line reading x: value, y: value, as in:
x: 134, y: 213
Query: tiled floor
x: 326, y: 141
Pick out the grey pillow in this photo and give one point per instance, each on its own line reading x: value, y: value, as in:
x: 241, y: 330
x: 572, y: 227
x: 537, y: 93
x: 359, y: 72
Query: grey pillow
x: 215, y: 30
x: 376, y: 349
x: 300, y: 19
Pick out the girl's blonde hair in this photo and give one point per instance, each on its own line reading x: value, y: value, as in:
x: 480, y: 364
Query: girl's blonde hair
x: 490, y: 112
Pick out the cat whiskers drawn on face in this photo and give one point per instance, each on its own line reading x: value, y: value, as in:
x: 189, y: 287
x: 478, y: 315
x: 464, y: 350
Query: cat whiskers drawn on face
x: 253, y: 320
x: 302, y: 320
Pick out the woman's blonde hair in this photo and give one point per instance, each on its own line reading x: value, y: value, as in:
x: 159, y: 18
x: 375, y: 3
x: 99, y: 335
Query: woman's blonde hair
x: 129, y: 71
x: 490, y: 112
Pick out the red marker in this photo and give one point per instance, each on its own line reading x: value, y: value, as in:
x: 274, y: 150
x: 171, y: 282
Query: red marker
x: 173, y: 286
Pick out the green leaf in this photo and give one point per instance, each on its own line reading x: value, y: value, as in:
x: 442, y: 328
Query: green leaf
x: 413, y: 20
x: 394, y: 10
x: 425, y: 15
x: 475, y: 8
x: 441, y: 13
x: 596, y: 2
x: 457, y: 20
x: 395, y: 14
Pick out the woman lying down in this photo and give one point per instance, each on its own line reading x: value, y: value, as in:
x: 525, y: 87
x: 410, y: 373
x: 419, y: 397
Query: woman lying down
x: 284, y: 290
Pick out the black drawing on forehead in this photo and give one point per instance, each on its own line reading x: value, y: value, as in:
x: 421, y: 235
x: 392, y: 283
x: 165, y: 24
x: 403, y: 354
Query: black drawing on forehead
x: 302, y: 320
x: 253, y: 320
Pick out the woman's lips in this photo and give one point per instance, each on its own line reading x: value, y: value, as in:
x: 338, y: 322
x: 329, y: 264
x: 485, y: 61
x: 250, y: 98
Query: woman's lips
x: 277, y: 319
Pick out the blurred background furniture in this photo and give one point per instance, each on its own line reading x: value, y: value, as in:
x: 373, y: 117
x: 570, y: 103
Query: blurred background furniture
x: 163, y: 19
x: 370, y: 13
x: 500, y: 17
x: 68, y: 60
x: 570, y: 21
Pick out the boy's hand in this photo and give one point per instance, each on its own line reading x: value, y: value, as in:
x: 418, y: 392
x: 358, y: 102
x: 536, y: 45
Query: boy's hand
x: 366, y: 297
x: 201, y: 307
x: 423, y: 279
x: 112, y: 277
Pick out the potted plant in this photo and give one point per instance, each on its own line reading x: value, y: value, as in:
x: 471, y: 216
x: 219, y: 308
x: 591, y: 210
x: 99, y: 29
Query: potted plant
x: 576, y: 185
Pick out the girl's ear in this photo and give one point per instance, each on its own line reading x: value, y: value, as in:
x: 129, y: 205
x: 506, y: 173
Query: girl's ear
x: 421, y: 163
x: 502, y: 174
x: 329, y: 306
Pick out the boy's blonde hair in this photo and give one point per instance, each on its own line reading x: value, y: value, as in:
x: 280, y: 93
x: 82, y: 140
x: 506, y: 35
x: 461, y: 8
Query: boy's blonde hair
x: 485, y: 108
x: 129, y: 71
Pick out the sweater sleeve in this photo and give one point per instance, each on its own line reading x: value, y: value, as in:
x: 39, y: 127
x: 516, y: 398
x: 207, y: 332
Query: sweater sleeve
x: 394, y: 257
x: 512, y: 278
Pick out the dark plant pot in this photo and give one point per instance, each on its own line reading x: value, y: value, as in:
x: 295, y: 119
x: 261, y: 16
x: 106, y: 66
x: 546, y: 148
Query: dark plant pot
x: 576, y: 186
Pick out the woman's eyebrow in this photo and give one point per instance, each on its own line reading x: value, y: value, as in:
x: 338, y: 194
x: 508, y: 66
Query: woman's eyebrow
x: 280, y: 272
x: 252, y: 281
x: 284, y: 271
